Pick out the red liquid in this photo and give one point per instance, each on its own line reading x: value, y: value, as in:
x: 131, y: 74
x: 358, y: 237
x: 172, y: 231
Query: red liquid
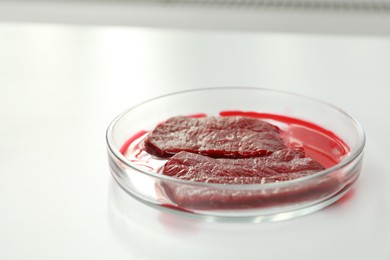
x: 132, y: 139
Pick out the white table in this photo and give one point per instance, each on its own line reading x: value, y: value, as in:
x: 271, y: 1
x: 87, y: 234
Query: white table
x: 61, y: 85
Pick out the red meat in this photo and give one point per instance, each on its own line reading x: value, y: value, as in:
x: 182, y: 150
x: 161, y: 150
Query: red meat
x: 282, y: 165
x: 226, y: 137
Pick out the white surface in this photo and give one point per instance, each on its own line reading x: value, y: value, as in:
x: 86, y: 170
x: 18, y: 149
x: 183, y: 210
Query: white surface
x: 60, y: 86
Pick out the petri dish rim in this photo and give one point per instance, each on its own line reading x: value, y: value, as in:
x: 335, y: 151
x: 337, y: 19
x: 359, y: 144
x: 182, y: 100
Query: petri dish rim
x: 349, y: 159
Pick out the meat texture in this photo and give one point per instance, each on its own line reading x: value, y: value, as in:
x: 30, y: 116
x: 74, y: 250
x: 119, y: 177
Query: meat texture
x: 219, y: 137
x: 282, y: 165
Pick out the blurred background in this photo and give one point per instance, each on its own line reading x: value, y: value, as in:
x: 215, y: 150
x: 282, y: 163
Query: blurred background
x: 315, y: 16
x: 67, y: 68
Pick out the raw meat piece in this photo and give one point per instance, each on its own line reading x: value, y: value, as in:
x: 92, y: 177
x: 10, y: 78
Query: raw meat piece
x: 282, y: 165
x: 192, y: 197
x: 227, y: 137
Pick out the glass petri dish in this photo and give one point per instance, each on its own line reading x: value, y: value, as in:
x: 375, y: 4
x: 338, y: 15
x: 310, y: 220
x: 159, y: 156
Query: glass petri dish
x: 294, y: 114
